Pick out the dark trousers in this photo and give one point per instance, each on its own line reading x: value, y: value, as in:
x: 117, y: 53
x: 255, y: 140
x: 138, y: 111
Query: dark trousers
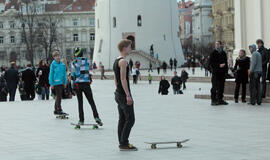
x: 217, y: 90
x: 126, y: 119
x: 45, y: 92
x: 86, y: 89
x: 263, y: 83
x: 58, y: 97
x: 134, y: 79
x: 30, y: 92
x: 184, y: 85
x: 255, y: 88
x: 158, y: 70
x: 237, y: 89
x: 150, y: 69
x: 12, y: 93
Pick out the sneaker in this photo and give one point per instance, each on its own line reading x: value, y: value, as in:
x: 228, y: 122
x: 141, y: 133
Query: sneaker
x: 63, y: 113
x: 253, y: 104
x: 214, y: 103
x: 98, y: 120
x: 128, y: 147
x: 244, y: 101
x: 222, y: 102
x: 56, y: 112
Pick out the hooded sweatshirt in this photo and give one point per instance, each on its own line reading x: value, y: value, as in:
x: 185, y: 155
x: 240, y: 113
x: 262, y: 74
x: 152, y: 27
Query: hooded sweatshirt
x: 256, y: 60
x: 58, y: 74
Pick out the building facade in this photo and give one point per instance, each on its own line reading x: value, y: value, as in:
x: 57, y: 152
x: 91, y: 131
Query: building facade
x: 223, y: 23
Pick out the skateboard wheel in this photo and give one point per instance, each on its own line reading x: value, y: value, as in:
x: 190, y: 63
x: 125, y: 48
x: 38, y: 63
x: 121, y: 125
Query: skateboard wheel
x: 179, y: 145
x: 95, y: 127
x: 153, y: 146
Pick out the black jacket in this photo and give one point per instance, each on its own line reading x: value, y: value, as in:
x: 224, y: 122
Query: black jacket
x: 164, y: 65
x: 3, y: 87
x: 176, y: 82
x: 164, y: 85
x: 12, y: 78
x: 29, y: 79
x: 241, y: 68
x: 184, y: 76
x: 44, y: 78
x: 215, y: 60
x: 265, y: 57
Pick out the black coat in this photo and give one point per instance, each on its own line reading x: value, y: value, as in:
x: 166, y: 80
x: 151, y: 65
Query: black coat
x: 184, y: 76
x: 265, y: 58
x: 176, y: 82
x: 241, y: 68
x: 3, y: 89
x: 43, y: 80
x: 164, y: 65
x: 215, y: 60
x: 29, y: 79
x: 12, y: 78
x: 164, y: 85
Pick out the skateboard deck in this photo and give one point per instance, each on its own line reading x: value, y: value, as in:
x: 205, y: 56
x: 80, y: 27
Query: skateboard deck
x: 78, y: 126
x: 178, y: 143
x: 64, y: 116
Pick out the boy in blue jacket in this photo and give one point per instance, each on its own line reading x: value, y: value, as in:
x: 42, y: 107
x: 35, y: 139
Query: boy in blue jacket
x: 58, y: 81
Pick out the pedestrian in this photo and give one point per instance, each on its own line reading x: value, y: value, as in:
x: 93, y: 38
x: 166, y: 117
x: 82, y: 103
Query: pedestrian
x: 58, y: 81
x: 150, y: 78
x: 138, y: 65
x: 193, y: 63
x: 164, y: 67
x: 188, y: 62
x: 102, y: 71
x: 171, y: 63
x: 82, y: 80
x: 219, y: 68
x: 206, y: 66
x: 164, y: 85
x: 134, y: 74
x: 175, y: 64
x: 3, y: 89
x: 184, y: 78
x: 150, y: 67
x: 255, y: 75
x: 12, y: 78
x: 152, y: 50
x: 176, y: 83
x: 158, y: 65
x: 241, y: 68
x: 29, y: 80
x: 157, y: 56
x: 265, y: 60
x: 43, y: 79
x: 123, y: 96
x: 130, y: 65
x: 94, y: 67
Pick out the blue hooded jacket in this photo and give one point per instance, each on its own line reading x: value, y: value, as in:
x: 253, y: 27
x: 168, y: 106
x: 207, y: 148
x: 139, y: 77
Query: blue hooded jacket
x: 58, y: 74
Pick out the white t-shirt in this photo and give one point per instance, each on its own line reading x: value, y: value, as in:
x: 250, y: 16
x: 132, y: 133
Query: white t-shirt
x: 134, y: 71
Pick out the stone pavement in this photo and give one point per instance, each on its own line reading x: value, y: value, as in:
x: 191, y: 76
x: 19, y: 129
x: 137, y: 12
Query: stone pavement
x: 29, y: 131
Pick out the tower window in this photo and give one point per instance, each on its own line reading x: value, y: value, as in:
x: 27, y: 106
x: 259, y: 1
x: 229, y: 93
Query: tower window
x: 114, y: 22
x: 75, y: 37
x: 139, y: 21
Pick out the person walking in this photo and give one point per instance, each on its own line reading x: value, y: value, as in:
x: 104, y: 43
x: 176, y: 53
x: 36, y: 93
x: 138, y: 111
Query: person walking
x: 82, y: 80
x: 29, y: 80
x: 43, y: 79
x: 158, y: 65
x: 255, y: 76
x: 150, y: 78
x: 134, y: 74
x: 130, y: 65
x: 219, y: 68
x: 150, y: 67
x: 176, y: 83
x: 171, y: 63
x: 184, y: 78
x: 164, y: 85
x: 58, y: 81
x: 164, y: 67
x: 123, y: 96
x: 175, y: 63
x: 265, y: 60
x: 12, y: 78
x: 241, y: 68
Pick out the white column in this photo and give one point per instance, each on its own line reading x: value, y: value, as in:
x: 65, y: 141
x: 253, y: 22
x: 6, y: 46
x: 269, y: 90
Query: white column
x: 258, y: 18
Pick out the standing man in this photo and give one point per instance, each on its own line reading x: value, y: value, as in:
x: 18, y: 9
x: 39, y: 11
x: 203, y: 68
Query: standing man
x: 176, y: 83
x: 265, y: 59
x: 150, y: 67
x: 158, y: 65
x: 12, y: 79
x: 219, y: 67
x: 123, y: 96
x: 255, y: 75
x: 130, y: 65
x: 29, y: 79
x: 175, y: 64
x: 171, y: 63
x: 82, y: 80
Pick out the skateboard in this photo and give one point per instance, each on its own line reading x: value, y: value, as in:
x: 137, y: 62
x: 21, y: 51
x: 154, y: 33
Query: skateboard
x: 64, y: 116
x: 178, y: 143
x: 78, y: 126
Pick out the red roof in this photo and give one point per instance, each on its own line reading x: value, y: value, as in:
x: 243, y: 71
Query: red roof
x: 70, y: 6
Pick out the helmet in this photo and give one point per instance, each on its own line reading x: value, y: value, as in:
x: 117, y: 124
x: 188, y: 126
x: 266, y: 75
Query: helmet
x: 78, y: 52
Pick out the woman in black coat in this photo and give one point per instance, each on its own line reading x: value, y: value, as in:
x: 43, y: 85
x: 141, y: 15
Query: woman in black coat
x: 43, y: 79
x: 241, y: 69
x: 164, y: 85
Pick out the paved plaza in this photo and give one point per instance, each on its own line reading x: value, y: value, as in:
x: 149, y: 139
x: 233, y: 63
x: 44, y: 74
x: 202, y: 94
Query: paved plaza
x: 29, y: 131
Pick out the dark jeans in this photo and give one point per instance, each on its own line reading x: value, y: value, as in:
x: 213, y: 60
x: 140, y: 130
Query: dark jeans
x: 86, y: 89
x: 184, y: 85
x: 158, y: 70
x: 45, y: 92
x: 134, y: 79
x: 255, y: 88
x: 217, y: 90
x: 30, y: 95
x: 176, y: 91
x: 263, y: 84
x: 58, y: 97
x: 12, y: 93
x: 126, y: 119
x: 237, y: 88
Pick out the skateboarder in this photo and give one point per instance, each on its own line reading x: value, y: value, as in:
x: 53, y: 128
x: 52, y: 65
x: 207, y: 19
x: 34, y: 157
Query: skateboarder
x: 58, y: 81
x: 123, y: 96
x: 82, y: 80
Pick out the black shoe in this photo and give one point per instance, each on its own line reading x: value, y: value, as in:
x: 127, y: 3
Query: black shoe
x: 214, y: 103
x: 98, y: 120
x: 222, y: 102
x: 244, y: 101
x: 128, y: 147
x: 57, y: 112
x: 253, y: 104
x: 259, y: 103
x: 63, y: 113
x: 236, y: 100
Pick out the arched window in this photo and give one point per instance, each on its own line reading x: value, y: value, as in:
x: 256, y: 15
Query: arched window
x: 139, y: 21
x: 114, y: 22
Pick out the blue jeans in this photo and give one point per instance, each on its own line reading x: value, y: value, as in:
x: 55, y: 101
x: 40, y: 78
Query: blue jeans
x: 45, y: 92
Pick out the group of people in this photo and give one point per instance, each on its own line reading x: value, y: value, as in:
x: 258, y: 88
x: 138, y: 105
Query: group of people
x: 246, y: 70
